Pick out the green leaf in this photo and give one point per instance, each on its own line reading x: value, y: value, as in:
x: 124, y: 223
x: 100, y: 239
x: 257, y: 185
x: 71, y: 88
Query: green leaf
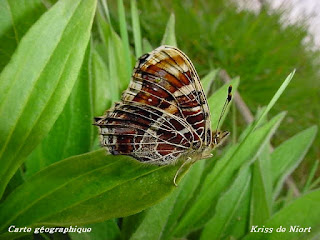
x: 136, y: 28
x: 107, y: 230
x: 227, y: 206
x: 188, y: 186
x: 102, y: 93
x: 238, y: 225
x: 159, y: 221
x: 288, y: 155
x: 106, y: 10
x: 155, y: 220
x: 127, y: 67
x: 169, y: 37
x: 16, y: 18
x: 208, y: 80
x: 72, y: 133
x: 311, y: 176
x: 85, y: 189
x: 37, y: 82
x: 222, y: 174
x: 303, y: 212
x: 261, y: 193
x: 147, y: 47
x: 116, y: 58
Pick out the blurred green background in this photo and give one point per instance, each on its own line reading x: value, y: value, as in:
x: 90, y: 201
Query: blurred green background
x: 253, y: 45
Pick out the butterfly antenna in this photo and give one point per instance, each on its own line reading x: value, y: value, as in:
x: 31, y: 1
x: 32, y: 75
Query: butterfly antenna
x: 226, y: 103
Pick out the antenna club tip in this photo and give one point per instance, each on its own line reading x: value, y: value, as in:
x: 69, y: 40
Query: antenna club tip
x: 230, y: 89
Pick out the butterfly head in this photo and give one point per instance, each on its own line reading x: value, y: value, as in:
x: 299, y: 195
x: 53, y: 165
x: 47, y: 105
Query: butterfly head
x: 218, y: 137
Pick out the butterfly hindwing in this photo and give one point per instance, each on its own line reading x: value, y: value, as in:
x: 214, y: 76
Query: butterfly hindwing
x: 163, y: 113
x: 144, y: 133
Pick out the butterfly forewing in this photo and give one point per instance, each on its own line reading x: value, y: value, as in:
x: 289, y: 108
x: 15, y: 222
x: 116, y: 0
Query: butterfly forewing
x: 163, y: 113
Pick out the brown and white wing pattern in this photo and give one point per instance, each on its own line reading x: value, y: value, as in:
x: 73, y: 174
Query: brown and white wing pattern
x: 163, y: 113
x: 145, y: 133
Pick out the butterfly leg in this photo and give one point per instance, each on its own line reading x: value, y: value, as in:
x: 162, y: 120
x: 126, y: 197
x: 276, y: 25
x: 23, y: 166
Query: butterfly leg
x: 179, y: 170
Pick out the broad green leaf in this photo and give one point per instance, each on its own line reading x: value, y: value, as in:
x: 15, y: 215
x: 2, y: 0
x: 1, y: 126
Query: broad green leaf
x: 136, y: 28
x: 227, y: 206
x: 288, y: 155
x: 72, y: 133
x: 37, y: 82
x: 85, y: 189
x: 15, y: 19
x: 159, y: 221
x: 261, y: 193
x: 207, y: 81
x: 221, y: 176
x: 107, y: 230
x: 304, y: 212
x: 169, y: 37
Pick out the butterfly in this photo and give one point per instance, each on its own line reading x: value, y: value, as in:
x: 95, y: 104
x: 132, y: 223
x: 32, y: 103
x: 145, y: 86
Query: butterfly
x: 163, y: 115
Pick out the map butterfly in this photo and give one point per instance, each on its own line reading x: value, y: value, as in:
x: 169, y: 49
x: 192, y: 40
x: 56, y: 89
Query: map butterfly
x: 163, y: 115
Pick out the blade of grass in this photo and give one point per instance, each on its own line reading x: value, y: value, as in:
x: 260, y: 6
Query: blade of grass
x: 315, y: 183
x: 125, y: 40
x: 115, y: 93
x: 169, y: 37
x: 136, y: 28
x: 311, y: 176
x: 106, y: 10
x: 102, y: 94
x: 147, y: 47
